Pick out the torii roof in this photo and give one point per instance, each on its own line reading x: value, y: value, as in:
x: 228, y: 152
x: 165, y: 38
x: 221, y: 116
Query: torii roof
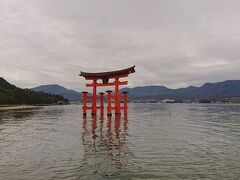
x: 109, y: 74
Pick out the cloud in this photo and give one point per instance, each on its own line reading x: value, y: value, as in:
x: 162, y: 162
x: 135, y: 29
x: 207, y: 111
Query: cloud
x: 177, y: 43
x: 209, y: 64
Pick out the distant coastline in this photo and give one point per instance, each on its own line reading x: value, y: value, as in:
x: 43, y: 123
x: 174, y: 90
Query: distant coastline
x: 235, y: 100
x: 19, y: 107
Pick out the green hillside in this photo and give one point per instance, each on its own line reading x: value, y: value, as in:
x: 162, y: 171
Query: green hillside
x: 12, y: 95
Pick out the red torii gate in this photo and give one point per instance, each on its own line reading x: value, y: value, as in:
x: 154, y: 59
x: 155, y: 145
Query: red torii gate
x: 105, y: 76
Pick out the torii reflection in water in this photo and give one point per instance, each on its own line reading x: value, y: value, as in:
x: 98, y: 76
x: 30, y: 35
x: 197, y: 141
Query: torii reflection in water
x: 105, y: 145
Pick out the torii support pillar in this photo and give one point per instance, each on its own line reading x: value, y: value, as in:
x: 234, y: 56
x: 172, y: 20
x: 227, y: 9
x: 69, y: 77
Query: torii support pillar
x: 84, y: 103
x: 101, y: 103
x: 109, y: 103
x: 125, y: 101
x: 94, y: 97
x: 117, y: 97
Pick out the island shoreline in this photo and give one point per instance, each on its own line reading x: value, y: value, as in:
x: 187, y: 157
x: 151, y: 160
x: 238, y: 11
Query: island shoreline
x: 19, y: 107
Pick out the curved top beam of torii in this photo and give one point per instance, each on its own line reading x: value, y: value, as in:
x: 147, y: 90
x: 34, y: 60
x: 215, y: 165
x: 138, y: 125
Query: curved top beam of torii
x: 107, y: 75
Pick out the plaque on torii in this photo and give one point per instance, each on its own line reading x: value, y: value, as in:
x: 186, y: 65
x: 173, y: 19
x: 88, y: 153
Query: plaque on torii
x: 106, y: 78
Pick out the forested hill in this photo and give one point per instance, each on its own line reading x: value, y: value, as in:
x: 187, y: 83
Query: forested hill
x: 71, y: 95
x: 12, y: 95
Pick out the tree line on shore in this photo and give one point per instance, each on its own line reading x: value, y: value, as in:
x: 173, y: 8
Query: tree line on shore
x: 12, y: 95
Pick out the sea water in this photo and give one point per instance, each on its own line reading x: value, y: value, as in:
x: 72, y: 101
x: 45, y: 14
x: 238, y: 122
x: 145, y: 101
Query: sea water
x: 155, y: 141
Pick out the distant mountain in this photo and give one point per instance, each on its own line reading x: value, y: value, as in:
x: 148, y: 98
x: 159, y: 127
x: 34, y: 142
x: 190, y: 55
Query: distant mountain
x: 230, y: 88
x: 225, y: 89
x: 10, y: 95
x: 219, y: 90
x: 71, y: 95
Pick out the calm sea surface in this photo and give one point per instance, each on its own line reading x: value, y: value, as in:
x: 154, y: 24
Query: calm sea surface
x: 156, y: 141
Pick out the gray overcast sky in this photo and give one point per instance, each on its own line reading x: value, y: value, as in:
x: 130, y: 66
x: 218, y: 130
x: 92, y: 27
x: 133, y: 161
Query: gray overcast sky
x: 175, y: 43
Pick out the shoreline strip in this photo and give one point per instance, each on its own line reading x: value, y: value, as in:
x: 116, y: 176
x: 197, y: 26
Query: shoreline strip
x: 18, y: 107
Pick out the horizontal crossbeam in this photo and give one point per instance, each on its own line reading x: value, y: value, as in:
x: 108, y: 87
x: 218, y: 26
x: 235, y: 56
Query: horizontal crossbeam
x: 110, y: 77
x: 90, y: 107
x: 108, y: 84
x: 90, y: 97
x: 113, y: 108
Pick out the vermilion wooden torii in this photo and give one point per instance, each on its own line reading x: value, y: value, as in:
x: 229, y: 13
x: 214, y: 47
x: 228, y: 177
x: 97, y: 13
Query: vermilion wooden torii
x: 105, y: 76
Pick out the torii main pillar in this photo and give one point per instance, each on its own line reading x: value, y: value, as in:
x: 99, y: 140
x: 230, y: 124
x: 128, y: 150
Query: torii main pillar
x: 105, y: 77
